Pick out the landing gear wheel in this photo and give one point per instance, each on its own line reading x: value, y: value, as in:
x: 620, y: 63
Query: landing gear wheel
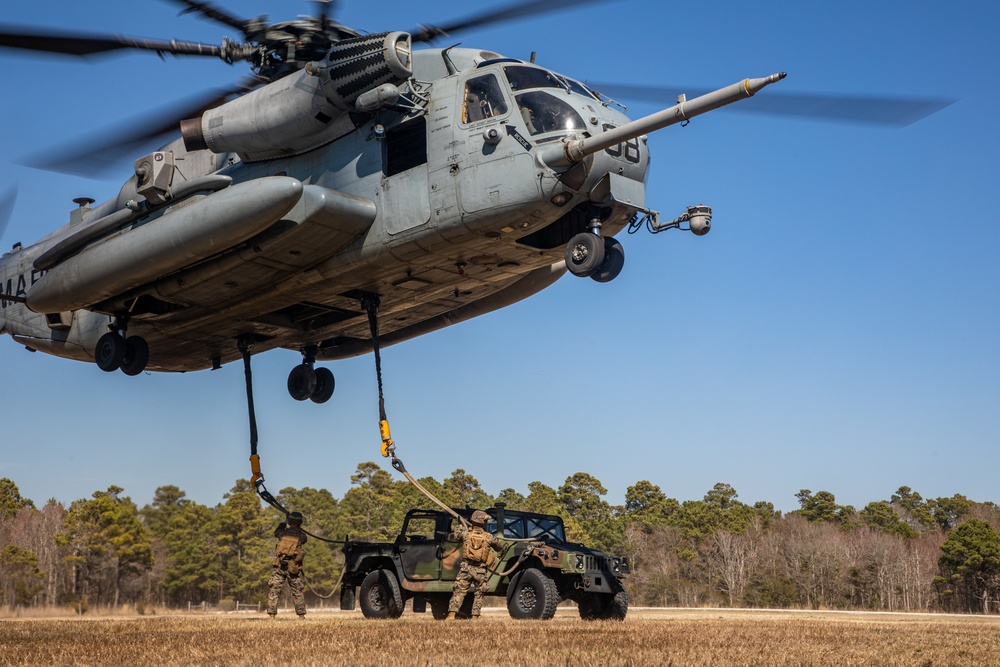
x: 584, y: 254
x: 110, y: 352
x: 534, y: 596
x: 614, y: 260
x: 380, y: 596
x: 301, y: 382
x: 325, y: 384
x: 136, y: 355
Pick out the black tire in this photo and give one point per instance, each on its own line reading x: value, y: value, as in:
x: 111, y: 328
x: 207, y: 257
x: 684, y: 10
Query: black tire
x: 301, y: 382
x: 136, y: 355
x: 325, y: 384
x: 110, y: 352
x: 604, y: 606
x: 614, y: 261
x: 534, y: 596
x: 439, y: 607
x: 589, y: 607
x: 347, y: 597
x: 618, y: 609
x: 380, y: 595
x: 584, y: 254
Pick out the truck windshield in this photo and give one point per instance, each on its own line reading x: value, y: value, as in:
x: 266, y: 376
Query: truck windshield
x: 517, y: 526
x: 545, y: 528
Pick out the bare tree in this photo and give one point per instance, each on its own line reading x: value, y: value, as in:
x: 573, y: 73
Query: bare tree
x: 735, y: 557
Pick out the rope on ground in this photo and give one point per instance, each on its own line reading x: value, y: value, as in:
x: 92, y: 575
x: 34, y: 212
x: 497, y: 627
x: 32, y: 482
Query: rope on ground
x: 331, y: 593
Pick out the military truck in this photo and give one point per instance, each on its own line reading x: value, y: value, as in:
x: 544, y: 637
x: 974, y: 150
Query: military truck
x: 536, y: 569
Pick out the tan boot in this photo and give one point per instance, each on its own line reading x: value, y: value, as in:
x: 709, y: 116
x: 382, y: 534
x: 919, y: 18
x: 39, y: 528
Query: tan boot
x: 450, y: 616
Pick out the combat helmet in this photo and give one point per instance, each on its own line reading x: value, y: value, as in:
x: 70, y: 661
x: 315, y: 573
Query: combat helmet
x: 480, y: 518
x: 295, y: 518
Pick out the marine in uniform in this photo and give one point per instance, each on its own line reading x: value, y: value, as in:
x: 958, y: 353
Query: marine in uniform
x: 477, y: 556
x: 288, y: 557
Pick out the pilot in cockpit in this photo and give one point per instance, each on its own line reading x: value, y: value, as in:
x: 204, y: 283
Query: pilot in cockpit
x: 483, y: 99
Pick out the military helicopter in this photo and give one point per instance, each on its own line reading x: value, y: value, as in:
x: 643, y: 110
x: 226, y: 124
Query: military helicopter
x: 350, y: 173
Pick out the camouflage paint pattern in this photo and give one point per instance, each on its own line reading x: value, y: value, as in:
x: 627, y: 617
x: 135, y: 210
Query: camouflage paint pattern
x: 277, y: 582
x: 469, y: 575
x: 428, y: 562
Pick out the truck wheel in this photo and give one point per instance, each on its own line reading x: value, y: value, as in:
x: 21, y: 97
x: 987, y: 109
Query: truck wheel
x: 618, y: 608
x: 439, y: 607
x: 534, y: 596
x: 347, y: 597
x: 604, y: 606
x: 589, y: 606
x: 380, y: 596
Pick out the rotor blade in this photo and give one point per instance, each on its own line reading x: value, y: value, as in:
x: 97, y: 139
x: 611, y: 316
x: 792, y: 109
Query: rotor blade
x: 212, y: 12
x: 879, y: 110
x: 324, y: 12
x: 7, y: 200
x: 105, y: 149
x: 508, y: 13
x: 79, y: 44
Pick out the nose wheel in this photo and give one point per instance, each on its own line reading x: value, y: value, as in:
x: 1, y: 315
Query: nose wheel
x: 307, y: 381
x: 590, y: 255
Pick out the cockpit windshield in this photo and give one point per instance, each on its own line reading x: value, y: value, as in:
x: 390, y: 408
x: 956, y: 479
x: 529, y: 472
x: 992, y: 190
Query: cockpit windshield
x: 526, y: 78
x: 522, y: 77
x: 543, y: 112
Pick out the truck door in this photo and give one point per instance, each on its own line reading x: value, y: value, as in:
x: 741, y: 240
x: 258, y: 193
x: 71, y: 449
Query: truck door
x: 418, y: 548
x: 450, y: 554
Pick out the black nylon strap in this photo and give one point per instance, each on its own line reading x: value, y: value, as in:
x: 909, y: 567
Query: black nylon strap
x: 265, y: 495
x: 370, y: 302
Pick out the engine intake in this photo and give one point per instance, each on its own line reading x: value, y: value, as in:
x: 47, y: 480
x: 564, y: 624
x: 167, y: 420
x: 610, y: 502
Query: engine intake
x: 304, y: 110
x: 355, y: 66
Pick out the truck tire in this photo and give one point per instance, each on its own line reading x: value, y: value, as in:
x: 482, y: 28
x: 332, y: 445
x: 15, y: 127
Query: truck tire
x: 604, y: 606
x: 380, y: 595
x: 347, y: 597
x: 439, y: 607
x: 534, y: 596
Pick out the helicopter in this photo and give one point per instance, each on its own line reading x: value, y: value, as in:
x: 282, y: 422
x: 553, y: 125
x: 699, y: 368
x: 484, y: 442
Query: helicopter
x: 350, y: 172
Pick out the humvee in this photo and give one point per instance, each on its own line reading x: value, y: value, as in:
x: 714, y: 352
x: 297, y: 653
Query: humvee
x: 536, y: 570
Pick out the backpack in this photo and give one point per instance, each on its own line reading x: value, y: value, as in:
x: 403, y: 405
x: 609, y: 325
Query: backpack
x: 477, y: 547
x: 288, y: 554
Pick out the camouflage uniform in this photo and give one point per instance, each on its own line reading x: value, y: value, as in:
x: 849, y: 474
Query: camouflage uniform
x: 288, y: 570
x: 473, y: 571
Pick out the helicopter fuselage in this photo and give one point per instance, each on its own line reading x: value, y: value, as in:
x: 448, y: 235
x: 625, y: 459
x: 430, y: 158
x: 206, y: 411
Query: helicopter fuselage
x: 441, y: 206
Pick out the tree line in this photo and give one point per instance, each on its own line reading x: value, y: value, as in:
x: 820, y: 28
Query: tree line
x: 905, y: 553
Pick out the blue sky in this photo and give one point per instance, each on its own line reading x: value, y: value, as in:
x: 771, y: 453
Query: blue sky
x: 836, y: 331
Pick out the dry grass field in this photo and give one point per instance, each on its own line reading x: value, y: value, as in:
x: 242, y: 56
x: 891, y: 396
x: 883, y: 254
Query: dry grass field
x: 716, y: 638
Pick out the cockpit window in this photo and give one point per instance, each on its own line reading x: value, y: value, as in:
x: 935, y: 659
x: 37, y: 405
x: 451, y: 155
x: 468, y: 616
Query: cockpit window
x: 542, y: 112
x: 525, y: 78
x: 483, y: 99
x: 578, y: 87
